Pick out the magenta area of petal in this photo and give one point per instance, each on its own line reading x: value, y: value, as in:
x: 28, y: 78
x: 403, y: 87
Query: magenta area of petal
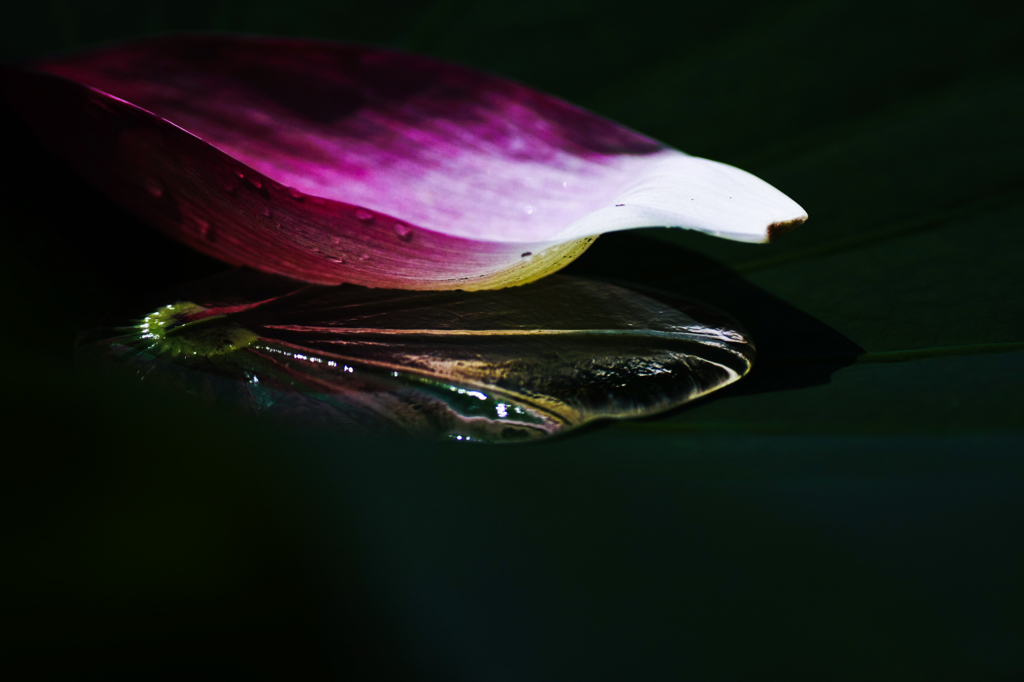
x: 340, y: 163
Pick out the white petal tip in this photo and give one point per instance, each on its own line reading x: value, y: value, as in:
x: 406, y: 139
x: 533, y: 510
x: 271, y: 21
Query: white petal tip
x: 676, y: 190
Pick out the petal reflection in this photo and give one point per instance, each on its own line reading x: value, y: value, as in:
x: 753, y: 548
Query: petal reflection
x: 508, y: 365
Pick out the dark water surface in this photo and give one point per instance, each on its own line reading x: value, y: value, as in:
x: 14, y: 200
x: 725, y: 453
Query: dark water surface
x: 851, y: 509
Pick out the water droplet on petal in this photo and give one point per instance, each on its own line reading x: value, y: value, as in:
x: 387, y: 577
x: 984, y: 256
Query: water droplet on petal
x: 154, y: 187
x: 403, y: 231
x: 240, y: 174
x: 336, y: 260
x: 255, y: 183
x: 296, y: 194
x: 528, y: 209
x: 205, y: 229
x: 364, y: 215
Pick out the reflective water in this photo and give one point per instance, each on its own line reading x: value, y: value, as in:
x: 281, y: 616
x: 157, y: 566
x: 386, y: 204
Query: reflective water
x: 507, y: 365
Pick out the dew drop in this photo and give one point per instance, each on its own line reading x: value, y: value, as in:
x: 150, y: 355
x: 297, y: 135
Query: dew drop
x: 336, y: 260
x: 255, y: 183
x: 364, y: 215
x: 296, y: 194
x: 154, y: 187
x: 240, y: 174
x: 528, y: 209
x: 403, y: 231
x: 205, y: 229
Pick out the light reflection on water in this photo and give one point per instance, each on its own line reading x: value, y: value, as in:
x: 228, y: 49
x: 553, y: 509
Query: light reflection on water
x: 495, y: 366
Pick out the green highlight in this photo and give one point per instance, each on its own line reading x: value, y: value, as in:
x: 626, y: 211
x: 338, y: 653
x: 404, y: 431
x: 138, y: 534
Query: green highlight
x: 174, y: 330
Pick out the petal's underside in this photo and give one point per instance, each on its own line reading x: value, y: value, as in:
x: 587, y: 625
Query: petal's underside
x: 339, y: 163
x: 521, y: 363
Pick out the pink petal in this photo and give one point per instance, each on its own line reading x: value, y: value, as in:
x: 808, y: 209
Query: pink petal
x: 338, y: 163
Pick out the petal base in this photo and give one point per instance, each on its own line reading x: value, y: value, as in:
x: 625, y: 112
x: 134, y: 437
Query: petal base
x: 530, y: 268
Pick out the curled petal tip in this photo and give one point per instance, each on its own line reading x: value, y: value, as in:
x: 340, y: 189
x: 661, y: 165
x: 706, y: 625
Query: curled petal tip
x: 676, y: 190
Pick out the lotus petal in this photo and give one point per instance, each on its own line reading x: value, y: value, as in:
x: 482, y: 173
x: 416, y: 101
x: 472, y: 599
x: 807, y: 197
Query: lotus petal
x: 336, y: 163
x: 517, y: 364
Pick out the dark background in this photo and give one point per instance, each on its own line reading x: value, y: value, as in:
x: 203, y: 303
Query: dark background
x: 853, y: 509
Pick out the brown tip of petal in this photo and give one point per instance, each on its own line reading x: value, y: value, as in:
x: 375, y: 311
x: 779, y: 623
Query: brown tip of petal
x: 776, y: 230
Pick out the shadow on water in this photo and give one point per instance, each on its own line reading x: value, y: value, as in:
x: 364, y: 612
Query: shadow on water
x: 794, y: 350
